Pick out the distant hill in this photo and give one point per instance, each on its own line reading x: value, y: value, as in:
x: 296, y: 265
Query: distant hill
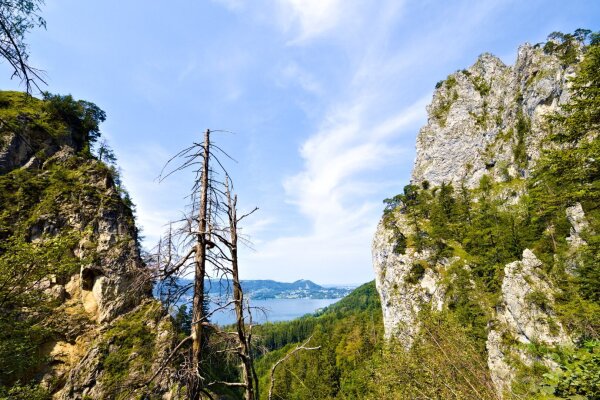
x: 269, y: 289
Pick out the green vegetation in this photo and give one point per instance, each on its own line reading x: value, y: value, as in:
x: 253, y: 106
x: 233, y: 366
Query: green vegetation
x: 481, y: 85
x: 128, y: 349
x: 491, y: 225
x: 523, y: 129
x: 566, y: 44
x: 37, y: 241
x: 481, y: 229
x: 474, y: 233
x: 354, y: 361
x: 349, y: 332
x: 50, y: 122
x: 440, y: 112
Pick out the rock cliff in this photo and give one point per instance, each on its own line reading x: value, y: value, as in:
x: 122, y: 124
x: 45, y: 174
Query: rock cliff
x: 456, y: 240
x: 489, y: 118
x: 92, y: 297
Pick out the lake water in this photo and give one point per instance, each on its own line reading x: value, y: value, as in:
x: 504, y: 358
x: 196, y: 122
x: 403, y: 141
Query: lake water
x: 275, y: 310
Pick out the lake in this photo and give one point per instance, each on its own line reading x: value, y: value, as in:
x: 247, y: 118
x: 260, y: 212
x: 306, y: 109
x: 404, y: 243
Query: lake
x: 276, y: 310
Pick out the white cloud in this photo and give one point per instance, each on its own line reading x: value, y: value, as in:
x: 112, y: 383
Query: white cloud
x: 312, y: 17
x: 333, y: 190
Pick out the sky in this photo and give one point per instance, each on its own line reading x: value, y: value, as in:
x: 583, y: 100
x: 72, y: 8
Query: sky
x: 324, y: 99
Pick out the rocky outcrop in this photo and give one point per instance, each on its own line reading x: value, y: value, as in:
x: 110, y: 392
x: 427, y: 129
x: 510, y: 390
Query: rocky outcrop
x: 524, y: 316
x: 406, y: 284
x: 488, y: 119
x: 108, y: 335
x: 117, y: 365
x: 579, y: 224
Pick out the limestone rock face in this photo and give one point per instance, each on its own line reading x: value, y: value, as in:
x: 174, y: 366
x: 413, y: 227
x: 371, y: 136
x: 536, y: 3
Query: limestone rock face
x: 404, y: 289
x: 112, y: 367
x: 489, y: 119
x: 485, y: 120
x: 579, y: 224
x: 525, y: 315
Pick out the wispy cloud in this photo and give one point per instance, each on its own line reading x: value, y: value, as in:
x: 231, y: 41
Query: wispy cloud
x: 311, y: 18
x: 364, y: 129
x: 292, y: 73
x: 358, y: 138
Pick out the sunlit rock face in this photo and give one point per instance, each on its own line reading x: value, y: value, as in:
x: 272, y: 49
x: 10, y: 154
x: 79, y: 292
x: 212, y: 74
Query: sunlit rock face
x: 478, y: 117
x: 403, y: 295
x: 485, y: 120
x: 525, y: 315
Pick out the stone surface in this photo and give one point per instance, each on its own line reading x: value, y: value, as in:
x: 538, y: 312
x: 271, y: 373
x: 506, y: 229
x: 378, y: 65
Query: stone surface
x: 112, y: 282
x: 402, y: 300
x: 485, y: 120
x: 579, y: 224
x: 525, y: 315
x: 473, y: 118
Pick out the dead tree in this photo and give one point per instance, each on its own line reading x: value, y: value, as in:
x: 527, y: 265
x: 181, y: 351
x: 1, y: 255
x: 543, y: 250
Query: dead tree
x: 209, y: 236
x: 16, y: 19
x: 249, y: 377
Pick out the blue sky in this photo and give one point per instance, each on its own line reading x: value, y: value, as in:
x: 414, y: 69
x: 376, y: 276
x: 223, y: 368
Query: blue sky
x: 325, y: 98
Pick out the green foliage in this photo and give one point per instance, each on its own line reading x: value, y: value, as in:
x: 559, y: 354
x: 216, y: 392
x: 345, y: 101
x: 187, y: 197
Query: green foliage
x: 128, y: 348
x: 83, y: 117
x: 539, y: 299
x: 481, y: 85
x: 451, y: 82
x: 349, y: 333
x: 37, y: 239
x: 417, y: 271
x: 440, y: 112
x: 21, y: 336
x: 523, y: 129
x: 183, y: 320
x: 579, y: 373
x: 572, y: 174
x: 566, y: 45
x: 443, y: 363
x: 53, y: 121
x: 24, y: 392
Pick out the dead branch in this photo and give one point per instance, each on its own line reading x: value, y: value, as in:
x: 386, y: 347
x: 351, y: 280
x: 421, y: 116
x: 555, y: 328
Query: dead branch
x: 285, y: 358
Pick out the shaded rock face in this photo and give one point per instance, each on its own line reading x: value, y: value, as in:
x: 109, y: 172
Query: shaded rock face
x: 489, y: 119
x: 20, y: 142
x: 109, y: 296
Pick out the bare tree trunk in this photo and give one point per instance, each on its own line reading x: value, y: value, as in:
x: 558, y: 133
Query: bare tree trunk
x: 238, y: 297
x: 199, y: 274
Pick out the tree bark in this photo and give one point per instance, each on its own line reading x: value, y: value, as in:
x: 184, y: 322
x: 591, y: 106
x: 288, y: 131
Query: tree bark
x: 238, y: 297
x: 199, y: 274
